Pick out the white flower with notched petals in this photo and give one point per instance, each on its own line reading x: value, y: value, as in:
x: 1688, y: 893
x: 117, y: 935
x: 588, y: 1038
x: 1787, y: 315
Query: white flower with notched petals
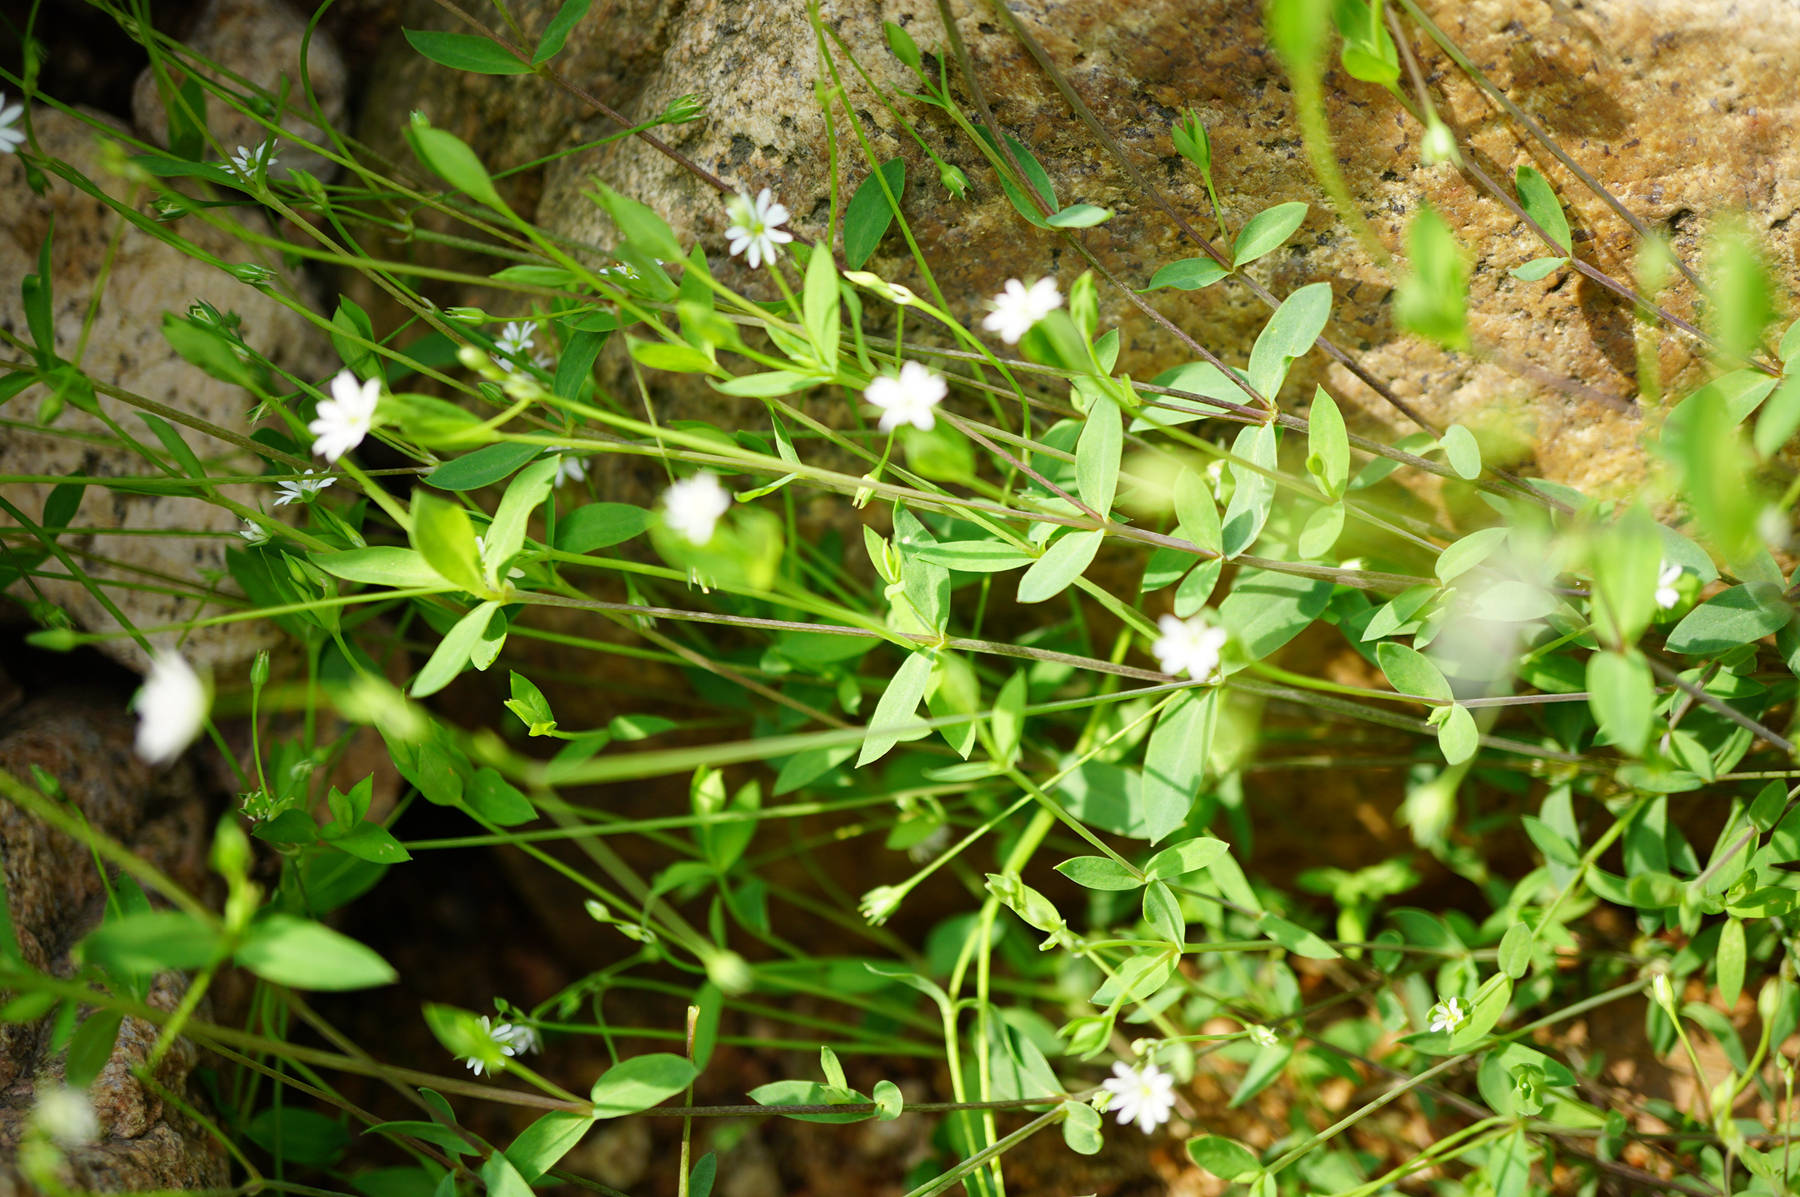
x: 569, y: 468
x: 1190, y: 646
x: 753, y: 230
x: 244, y: 162
x: 11, y: 136
x: 517, y: 1039
x: 171, y: 707
x: 693, y: 505
x: 253, y: 533
x: 514, y: 340
x: 1018, y: 307
x: 65, y: 1116
x: 1448, y: 1015
x: 504, y: 1036
x: 1667, y: 596
x: 1144, y: 1095
x: 301, y: 489
x: 908, y: 398
x: 345, y: 418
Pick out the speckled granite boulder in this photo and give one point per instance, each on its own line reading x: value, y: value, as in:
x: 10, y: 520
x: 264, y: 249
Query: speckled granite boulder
x: 55, y: 898
x: 261, y: 41
x: 151, y: 577
x: 1683, y: 110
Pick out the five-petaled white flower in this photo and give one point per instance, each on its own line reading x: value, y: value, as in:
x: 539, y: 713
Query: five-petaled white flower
x: 569, y: 468
x: 171, y: 707
x: 514, y: 340
x: 345, y: 418
x: 1667, y: 596
x: 1448, y: 1015
x: 302, y: 489
x: 253, y: 533
x: 65, y: 1115
x: 693, y: 505
x: 11, y: 137
x: 1144, y: 1095
x: 244, y: 161
x: 1019, y: 307
x: 1189, y: 646
x: 908, y: 398
x: 753, y: 227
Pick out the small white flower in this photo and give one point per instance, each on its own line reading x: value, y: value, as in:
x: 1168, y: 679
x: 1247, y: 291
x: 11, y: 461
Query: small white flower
x: 65, y: 1115
x: 253, y: 532
x: 1262, y: 1036
x: 517, y: 1039
x: 514, y: 340
x: 1663, y: 992
x: 908, y: 398
x: 302, y: 489
x: 693, y: 505
x: 1666, y: 594
x: 543, y: 361
x: 1145, y: 1095
x: 171, y: 707
x: 623, y: 270
x: 504, y: 1036
x: 345, y: 418
x: 1189, y: 646
x: 881, y: 902
x: 752, y: 227
x: 244, y: 161
x: 569, y: 468
x: 1448, y: 1015
x: 11, y: 137
x: 1018, y: 307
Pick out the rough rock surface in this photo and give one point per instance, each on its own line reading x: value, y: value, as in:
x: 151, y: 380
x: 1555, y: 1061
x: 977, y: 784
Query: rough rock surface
x: 55, y: 897
x: 259, y: 41
x: 151, y: 577
x: 1682, y: 110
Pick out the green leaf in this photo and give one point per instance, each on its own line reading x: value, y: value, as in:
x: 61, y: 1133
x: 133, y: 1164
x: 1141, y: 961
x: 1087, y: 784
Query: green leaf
x: 1412, y: 672
x: 647, y: 232
x: 1035, y: 175
x: 1540, y: 203
x: 1081, y: 1129
x: 1432, y: 300
x: 465, y: 52
x: 371, y: 842
x: 1225, y: 1158
x: 298, y: 1136
x: 819, y: 306
x: 973, y: 556
x: 151, y: 941
x: 633, y: 1085
x: 1189, y: 274
x: 1461, y: 451
x: 901, y: 44
x: 1064, y: 561
x: 1189, y: 856
x: 1740, y: 307
x: 600, y: 526
x: 890, y: 1102
x: 1174, y: 767
x: 1320, y: 532
x: 776, y: 1094
x: 1467, y: 553
x: 576, y: 365
x: 1622, y: 695
x: 557, y: 32
x: 210, y: 349
x: 450, y: 158
x: 1730, y: 962
x: 1484, y: 1013
x: 1099, y: 872
x: 1253, y: 492
x: 1289, y: 335
x: 383, y: 565
x: 1265, y: 231
x: 91, y: 1046
x: 306, y: 955
x: 1079, y: 216
x: 453, y: 651
x: 540, y: 1145
x: 1732, y: 617
x: 1297, y: 939
x: 484, y: 467
x: 178, y: 448
x: 1327, y: 445
x: 894, y: 720
x: 1515, y: 950
x: 1537, y: 268
x: 1265, y: 609
x: 675, y: 357
x: 501, y: 1179
x: 497, y: 800
x: 1097, y: 454
x: 444, y: 537
x: 506, y: 534
x: 1626, y: 559
x: 870, y: 214
x: 1196, y: 515
x: 1458, y: 738
x: 1780, y: 414
x: 1265, y: 1066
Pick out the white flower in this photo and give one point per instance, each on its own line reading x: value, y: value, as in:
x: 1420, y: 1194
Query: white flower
x: 908, y: 398
x: 693, y: 505
x: 881, y: 902
x: 344, y: 419
x: 569, y: 468
x: 1189, y: 646
x: 1019, y: 307
x: 516, y: 1039
x: 1144, y: 1095
x: 171, y: 706
x: 65, y: 1115
x: 1448, y: 1015
x: 514, y: 340
x: 623, y: 270
x: 253, y: 532
x: 506, y: 1037
x: 302, y: 489
x: 11, y: 138
x: 753, y: 227
x: 244, y: 161
x: 1666, y: 594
